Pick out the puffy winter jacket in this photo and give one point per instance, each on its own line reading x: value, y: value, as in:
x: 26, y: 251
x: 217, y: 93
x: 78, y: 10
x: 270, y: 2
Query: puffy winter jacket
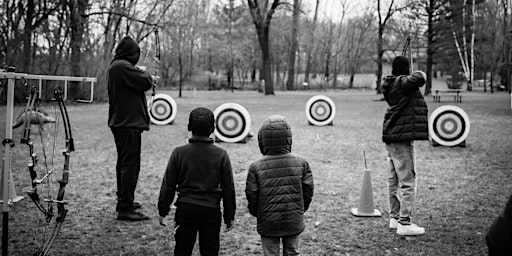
x: 499, y: 236
x: 406, y: 118
x: 279, y: 185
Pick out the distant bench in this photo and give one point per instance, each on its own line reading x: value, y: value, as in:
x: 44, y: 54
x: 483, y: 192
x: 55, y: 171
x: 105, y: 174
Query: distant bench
x: 456, y: 93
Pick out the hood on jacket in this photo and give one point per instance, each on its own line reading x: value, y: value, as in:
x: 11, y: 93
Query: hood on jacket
x: 388, y: 81
x: 128, y: 50
x: 275, y: 136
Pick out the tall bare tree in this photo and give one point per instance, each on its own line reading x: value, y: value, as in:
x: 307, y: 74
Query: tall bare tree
x: 261, y: 13
x: 292, y: 51
x: 310, y: 42
x: 382, y: 26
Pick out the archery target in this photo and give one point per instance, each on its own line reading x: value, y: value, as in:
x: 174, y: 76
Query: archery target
x: 448, y: 125
x: 320, y: 110
x: 162, y: 109
x: 232, y: 122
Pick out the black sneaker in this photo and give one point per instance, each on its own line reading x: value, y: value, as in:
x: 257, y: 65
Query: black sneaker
x: 131, y: 216
x: 136, y: 206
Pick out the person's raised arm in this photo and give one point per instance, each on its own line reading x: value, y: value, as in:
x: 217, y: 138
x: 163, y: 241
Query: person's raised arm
x: 413, y: 82
x: 137, y: 79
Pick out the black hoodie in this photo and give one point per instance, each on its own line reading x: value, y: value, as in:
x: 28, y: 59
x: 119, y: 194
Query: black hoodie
x: 126, y: 86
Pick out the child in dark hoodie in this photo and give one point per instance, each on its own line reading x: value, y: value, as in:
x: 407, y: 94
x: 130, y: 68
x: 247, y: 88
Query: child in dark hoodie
x: 127, y: 118
x: 200, y: 173
x: 279, y: 188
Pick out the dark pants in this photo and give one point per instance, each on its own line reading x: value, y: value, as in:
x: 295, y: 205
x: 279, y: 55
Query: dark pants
x: 127, y: 167
x: 191, y: 219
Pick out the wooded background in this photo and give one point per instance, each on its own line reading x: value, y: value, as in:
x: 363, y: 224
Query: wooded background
x: 238, y: 44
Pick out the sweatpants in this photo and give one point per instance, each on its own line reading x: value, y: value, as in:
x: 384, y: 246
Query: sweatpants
x: 128, y: 145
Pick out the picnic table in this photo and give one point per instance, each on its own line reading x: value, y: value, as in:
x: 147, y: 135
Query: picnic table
x: 456, y: 93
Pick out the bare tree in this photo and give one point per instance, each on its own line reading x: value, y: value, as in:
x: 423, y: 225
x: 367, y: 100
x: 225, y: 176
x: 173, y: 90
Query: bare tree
x: 293, y: 46
x: 382, y: 26
x: 310, y: 42
x: 261, y: 14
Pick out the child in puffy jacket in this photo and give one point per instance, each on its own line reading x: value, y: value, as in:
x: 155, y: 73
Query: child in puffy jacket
x: 279, y: 188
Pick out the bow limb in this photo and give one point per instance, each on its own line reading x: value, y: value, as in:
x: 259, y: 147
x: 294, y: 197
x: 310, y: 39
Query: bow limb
x: 25, y: 139
x: 63, y: 181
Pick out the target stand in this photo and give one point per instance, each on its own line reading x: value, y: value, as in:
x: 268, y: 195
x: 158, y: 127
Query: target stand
x: 232, y: 123
x: 448, y: 126
x: 320, y: 110
x: 162, y: 109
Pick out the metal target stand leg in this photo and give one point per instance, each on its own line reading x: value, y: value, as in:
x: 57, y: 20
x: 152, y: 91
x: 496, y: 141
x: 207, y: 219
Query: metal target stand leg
x: 6, y: 170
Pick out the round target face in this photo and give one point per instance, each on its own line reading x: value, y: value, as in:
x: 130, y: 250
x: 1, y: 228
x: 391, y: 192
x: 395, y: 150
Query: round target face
x: 448, y: 125
x: 162, y: 109
x: 320, y: 110
x: 232, y: 122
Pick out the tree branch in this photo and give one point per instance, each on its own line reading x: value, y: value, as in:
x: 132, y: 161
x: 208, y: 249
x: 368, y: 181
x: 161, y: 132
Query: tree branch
x: 122, y: 15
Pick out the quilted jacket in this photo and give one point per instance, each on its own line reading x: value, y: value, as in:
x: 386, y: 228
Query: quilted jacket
x: 406, y: 118
x: 499, y: 235
x: 279, y: 185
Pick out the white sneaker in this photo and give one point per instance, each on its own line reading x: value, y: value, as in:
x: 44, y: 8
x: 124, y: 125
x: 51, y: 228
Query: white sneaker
x: 409, y: 230
x: 393, y: 223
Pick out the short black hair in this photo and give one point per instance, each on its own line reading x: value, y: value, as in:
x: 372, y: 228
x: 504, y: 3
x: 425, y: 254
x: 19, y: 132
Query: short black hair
x: 201, y: 122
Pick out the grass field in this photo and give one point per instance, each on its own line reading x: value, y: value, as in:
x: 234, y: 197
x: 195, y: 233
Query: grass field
x: 461, y: 190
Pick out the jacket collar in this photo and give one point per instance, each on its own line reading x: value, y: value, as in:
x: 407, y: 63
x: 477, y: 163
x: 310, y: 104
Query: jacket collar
x: 200, y: 139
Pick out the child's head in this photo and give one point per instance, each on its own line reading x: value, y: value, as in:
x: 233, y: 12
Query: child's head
x: 275, y: 136
x: 201, y: 122
x: 400, y: 66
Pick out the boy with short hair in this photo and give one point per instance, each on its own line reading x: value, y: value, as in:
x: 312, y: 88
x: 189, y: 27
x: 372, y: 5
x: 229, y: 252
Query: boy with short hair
x: 200, y: 172
x: 405, y: 121
x: 279, y: 188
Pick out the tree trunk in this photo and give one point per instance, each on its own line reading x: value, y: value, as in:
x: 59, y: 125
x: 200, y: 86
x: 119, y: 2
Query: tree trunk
x: 430, y: 45
x: 267, y: 62
x: 261, y: 18
x: 27, y: 38
x: 380, y: 52
x: 76, y: 7
x: 293, y: 46
x: 310, y: 44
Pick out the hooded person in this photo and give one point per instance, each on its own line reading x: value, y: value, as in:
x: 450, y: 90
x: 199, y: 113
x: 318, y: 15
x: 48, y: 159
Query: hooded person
x: 499, y: 235
x: 405, y: 121
x: 279, y: 188
x: 127, y: 118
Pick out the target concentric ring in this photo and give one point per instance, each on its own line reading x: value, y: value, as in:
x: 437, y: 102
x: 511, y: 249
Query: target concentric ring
x: 448, y: 125
x: 232, y: 122
x: 320, y: 110
x: 162, y: 109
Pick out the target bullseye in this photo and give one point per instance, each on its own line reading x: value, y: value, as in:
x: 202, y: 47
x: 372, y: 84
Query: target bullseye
x: 162, y: 109
x: 320, y: 110
x: 448, y: 126
x: 232, y: 122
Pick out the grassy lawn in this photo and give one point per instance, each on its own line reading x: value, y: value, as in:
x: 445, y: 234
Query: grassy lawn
x: 461, y: 190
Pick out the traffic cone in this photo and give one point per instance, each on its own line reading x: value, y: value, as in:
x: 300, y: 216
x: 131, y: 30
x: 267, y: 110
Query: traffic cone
x: 366, y: 207
x: 12, y: 196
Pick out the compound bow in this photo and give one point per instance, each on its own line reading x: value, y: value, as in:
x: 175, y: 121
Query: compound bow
x: 46, y: 206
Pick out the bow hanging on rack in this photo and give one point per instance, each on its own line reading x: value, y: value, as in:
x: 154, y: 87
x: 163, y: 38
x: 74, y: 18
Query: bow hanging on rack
x: 49, y: 195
